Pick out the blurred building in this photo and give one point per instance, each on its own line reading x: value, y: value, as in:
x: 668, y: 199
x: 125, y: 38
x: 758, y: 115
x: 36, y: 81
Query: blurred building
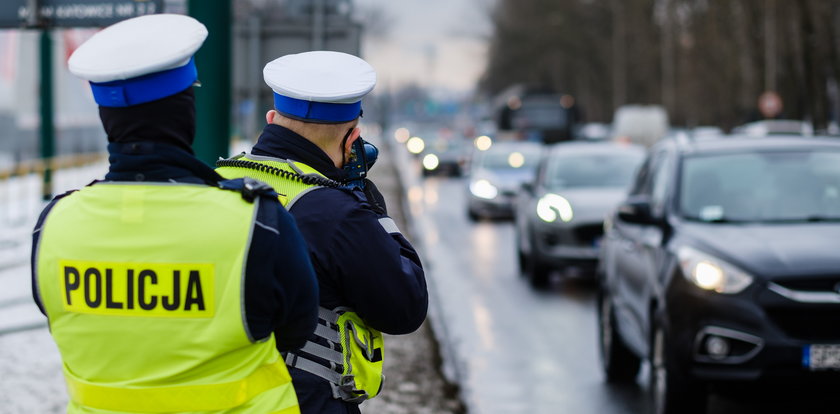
x: 76, y: 116
x: 267, y: 29
x: 262, y: 31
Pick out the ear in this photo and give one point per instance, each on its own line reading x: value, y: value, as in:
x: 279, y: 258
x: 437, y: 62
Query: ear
x: 269, y: 116
x: 351, y: 139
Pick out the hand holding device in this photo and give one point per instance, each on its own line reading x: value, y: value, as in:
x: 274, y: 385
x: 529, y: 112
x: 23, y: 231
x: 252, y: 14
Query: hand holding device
x: 362, y: 157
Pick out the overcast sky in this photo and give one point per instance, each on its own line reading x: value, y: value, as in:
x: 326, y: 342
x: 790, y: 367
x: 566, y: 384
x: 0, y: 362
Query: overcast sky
x: 438, y: 43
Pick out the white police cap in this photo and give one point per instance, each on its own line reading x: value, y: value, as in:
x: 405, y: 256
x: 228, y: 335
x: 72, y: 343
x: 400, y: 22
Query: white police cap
x: 140, y: 60
x: 320, y: 86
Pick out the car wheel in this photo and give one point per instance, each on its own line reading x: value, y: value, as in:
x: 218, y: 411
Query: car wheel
x: 537, y: 272
x: 521, y: 256
x: 523, y: 262
x: 473, y: 215
x: 672, y: 393
x: 619, y: 363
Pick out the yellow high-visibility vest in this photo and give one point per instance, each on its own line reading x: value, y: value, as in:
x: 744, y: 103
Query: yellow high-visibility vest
x: 362, y: 347
x: 290, y: 179
x: 143, y: 289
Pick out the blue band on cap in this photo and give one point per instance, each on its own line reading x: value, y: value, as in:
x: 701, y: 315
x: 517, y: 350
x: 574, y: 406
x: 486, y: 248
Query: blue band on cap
x: 145, y: 88
x: 317, y: 111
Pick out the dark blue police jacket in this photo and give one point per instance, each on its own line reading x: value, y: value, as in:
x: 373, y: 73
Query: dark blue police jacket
x: 359, y: 264
x: 281, y: 292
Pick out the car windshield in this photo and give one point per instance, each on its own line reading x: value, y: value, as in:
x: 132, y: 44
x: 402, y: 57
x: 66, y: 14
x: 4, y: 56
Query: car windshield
x: 510, y: 158
x: 600, y: 169
x: 540, y: 114
x: 441, y: 145
x: 762, y: 186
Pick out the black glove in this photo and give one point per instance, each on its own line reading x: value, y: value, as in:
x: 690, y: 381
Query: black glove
x: 375, y: 198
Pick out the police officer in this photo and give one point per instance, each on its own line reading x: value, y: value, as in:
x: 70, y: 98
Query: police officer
x: 162, y: 284
x: 370, y: 277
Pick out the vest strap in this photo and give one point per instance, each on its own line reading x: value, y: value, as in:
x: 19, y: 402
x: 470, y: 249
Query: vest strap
x: 314, y: 368
x: 321, y: 351
x: 344, y: 384
x: 328, y: 315
x: 325, y: 332
x: 205, y: 397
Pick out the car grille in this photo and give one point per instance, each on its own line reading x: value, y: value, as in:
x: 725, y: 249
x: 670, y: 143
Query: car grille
x: 508, y: 192
x: 587, y: 235
x: 809, y: 324
x: 828, y: 284
x: 805, y: 321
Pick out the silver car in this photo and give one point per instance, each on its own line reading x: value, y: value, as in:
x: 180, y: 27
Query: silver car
x: 560, y: 215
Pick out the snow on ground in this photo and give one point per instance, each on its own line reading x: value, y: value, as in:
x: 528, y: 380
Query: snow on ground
x: 30, y: 366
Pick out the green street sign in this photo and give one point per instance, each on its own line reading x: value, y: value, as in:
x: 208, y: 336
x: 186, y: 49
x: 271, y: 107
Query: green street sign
x: 76, y: 13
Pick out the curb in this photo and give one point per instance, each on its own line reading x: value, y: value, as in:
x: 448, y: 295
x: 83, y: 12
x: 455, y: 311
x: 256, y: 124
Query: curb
x: 409, y: 179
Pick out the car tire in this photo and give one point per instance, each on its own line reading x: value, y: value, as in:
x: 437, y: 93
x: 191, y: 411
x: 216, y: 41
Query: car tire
x: 521, y: 256
x: 522, y: 259
x: 619, y: 363
x: 537, y: 271
x: 473, y: 216
x: 672, y: 392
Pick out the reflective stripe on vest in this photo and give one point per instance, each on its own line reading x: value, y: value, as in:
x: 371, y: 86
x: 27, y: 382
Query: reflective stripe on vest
x: 355, y: 372
x: 209, y: 397
x: 289, y: 190
x: 144, y: 300
x: 360, y: 360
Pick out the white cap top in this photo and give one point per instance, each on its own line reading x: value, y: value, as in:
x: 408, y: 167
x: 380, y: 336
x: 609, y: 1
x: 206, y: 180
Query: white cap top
x: 321, y: 76
x: 137, y: 47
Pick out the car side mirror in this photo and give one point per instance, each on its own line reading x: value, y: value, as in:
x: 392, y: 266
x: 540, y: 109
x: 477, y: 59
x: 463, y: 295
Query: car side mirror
x: 637, y: 209
x: 528, y: 187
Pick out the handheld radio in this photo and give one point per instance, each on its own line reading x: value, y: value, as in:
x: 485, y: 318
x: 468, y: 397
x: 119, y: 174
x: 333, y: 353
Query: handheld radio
x: 362, y: 157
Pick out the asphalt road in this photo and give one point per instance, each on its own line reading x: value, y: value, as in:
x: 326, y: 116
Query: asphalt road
x: 514, y: 349
x: 518, y: 350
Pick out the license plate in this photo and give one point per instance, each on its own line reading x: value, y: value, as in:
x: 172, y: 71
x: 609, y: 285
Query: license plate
x: 821, y: 357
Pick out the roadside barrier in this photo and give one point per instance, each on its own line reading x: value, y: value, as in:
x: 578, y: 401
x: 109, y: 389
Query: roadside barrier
x: 38, y: 166
x: 21, y: 186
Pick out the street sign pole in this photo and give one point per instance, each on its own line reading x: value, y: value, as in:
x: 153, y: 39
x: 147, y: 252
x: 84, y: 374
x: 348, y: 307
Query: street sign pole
x: 213, y: 98
x: 46, y: 104
x: 46, y: 111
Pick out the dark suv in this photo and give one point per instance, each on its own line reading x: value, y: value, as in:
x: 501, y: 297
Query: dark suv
x: 722, y: 267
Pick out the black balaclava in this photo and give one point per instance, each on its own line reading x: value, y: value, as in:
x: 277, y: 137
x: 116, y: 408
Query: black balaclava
x: 170, y: 120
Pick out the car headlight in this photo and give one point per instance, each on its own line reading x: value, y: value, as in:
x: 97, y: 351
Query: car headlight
x: 483, y: 143
x: 483, y: 189
x: 430, y: 162
x: 552, y: 206
x: 415, y: 145
x: 710, y: 273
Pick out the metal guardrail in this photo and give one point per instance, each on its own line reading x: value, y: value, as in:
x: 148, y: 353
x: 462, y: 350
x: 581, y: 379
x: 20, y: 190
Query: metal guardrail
x: 22, y: 189
x: 23, y: 328
x: 56, y: 163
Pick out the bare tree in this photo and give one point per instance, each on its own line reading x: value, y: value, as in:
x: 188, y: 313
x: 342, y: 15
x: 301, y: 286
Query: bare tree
x: 707, y: 61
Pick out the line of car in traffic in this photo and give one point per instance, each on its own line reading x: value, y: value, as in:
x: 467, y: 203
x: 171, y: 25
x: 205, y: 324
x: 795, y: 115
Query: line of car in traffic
x: 718, y: 258
x: 722, y: 268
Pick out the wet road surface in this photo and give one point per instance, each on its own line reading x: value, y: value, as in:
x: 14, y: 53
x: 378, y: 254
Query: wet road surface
x: 514, y: 349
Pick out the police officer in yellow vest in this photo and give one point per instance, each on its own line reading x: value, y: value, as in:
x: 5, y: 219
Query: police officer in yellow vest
x: 164, y: 284
x: 370, y: 277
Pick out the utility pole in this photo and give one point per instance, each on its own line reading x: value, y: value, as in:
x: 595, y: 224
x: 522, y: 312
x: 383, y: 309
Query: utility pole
x: 46, y: 106
x: 669, y: 82
x: 255, y: 66
x: 318, y: 19
x: 46, y: 111
x: 770, y: 46
x: 213, y: 98
x: 619, y: 54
